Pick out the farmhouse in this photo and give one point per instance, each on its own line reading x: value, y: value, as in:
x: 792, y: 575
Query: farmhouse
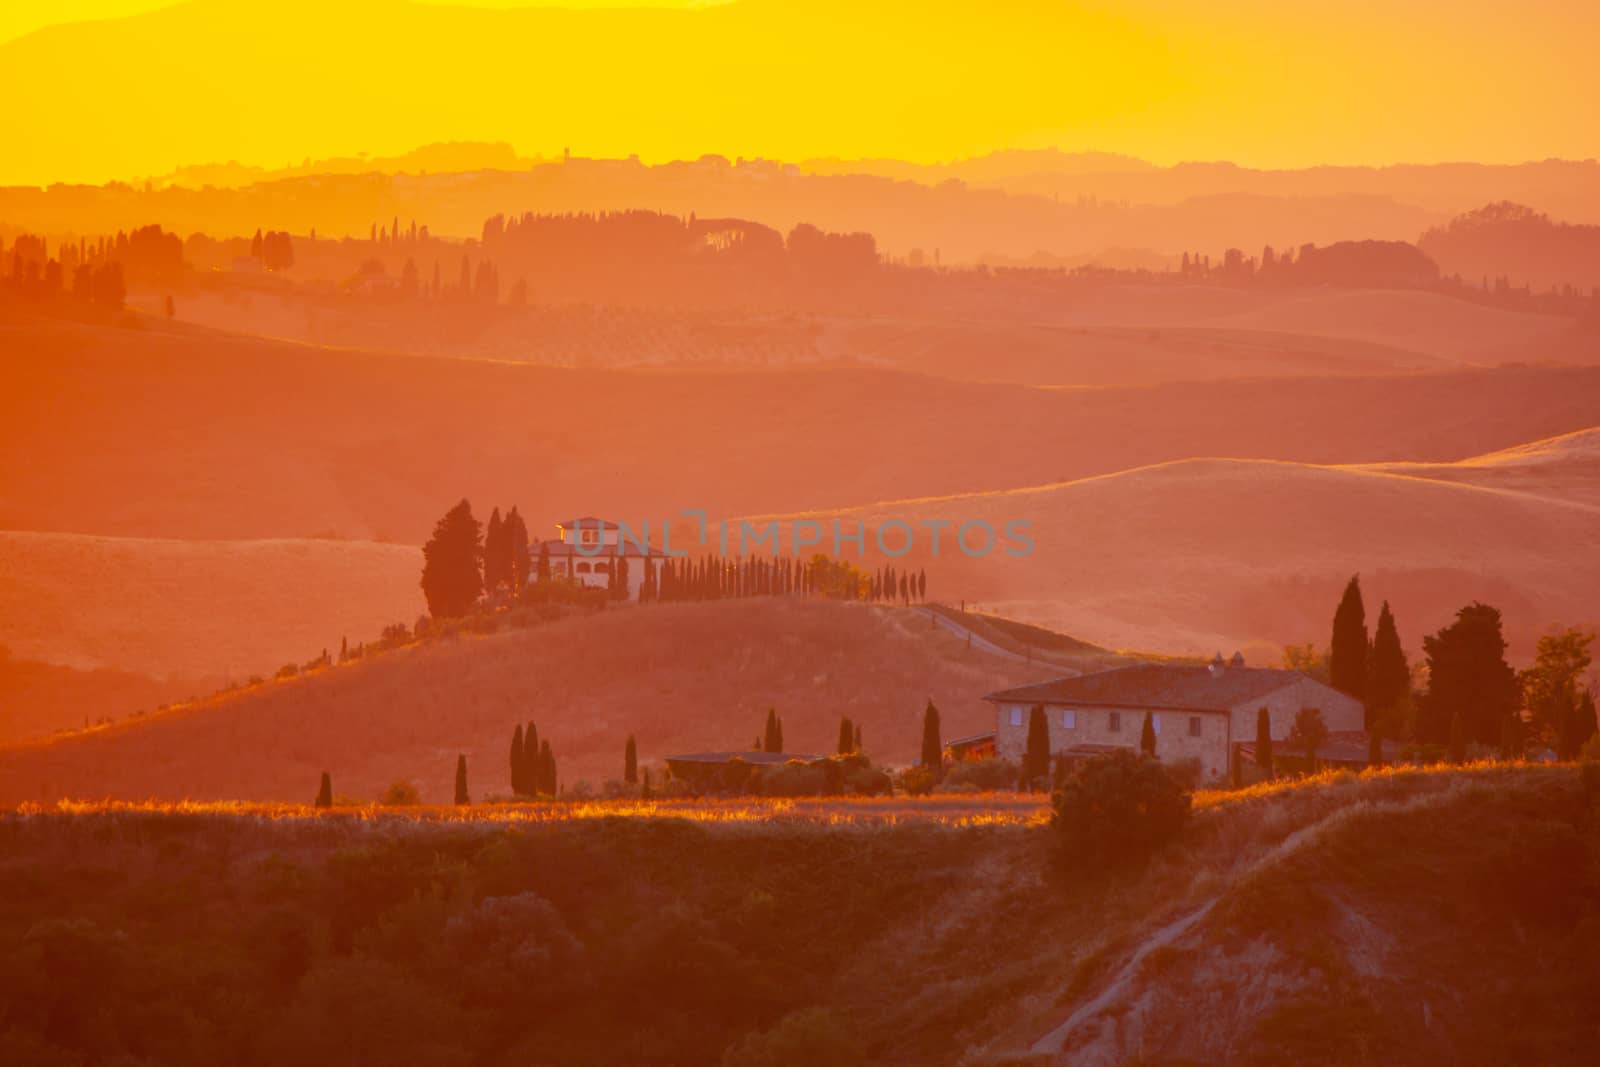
x: 1201, y: 713
x: 586, y: 550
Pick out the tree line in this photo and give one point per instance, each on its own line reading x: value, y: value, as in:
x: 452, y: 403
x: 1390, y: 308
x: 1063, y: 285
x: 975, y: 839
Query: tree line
x: 1472, y: 695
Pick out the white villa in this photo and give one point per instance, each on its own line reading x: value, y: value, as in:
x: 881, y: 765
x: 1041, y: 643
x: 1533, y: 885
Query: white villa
x: 1204, y: 713
x: 586, y: 550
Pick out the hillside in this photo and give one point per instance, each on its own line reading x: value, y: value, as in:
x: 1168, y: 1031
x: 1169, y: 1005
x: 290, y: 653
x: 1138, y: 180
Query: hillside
x: 681, y: 677
x: 197, y: 609
x: 1199, y: 555
x: 1429, y: 323
x: 1403, y: 917
x: 237, y: 437
x: 1562, y: 468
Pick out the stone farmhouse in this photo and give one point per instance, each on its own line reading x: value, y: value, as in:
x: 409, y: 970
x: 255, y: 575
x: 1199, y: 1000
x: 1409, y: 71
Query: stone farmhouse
x: 587, y: 549
x: 1205, y: 713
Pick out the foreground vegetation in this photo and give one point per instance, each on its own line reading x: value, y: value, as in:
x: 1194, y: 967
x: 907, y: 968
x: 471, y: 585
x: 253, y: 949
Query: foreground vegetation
x: 1410, y: 914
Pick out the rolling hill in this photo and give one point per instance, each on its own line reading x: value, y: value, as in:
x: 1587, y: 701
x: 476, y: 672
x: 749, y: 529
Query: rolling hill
x: 235, y: 438
x: 1200, y: 555
x: 1562, y: 468
x: 681, y: 677
x: 197, y: 609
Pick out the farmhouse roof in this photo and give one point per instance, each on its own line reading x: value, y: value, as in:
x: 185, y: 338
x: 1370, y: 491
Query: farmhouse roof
x: 751, y: 756
x: 1153, y: 685
x: 561, y: 548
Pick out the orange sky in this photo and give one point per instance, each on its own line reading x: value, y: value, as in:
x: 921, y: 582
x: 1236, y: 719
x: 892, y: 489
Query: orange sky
x: 155, y: 85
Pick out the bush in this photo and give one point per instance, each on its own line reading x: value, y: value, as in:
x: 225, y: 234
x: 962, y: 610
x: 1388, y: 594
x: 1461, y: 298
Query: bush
x: 1119, y: 808
x: 867, y: 781
x: 792, y: 779
x: 401, y: 795
x: 915, y: 781
x: 987, y: 775
x: 288, y: 670
x: 1590, y: 752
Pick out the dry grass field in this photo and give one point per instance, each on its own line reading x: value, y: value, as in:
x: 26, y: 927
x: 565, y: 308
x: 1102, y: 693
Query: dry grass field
x: 1194, y: 556
x: 680, y: 677
x: 197, y: 609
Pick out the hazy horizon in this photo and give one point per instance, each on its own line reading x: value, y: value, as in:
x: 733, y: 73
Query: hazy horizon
x: 1161, y: 80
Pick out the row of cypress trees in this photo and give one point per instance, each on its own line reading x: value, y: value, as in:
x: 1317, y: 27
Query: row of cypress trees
x: 533, y: 764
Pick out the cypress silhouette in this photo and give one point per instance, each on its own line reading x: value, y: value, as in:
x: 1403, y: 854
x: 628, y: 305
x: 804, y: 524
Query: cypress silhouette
x: 516, y: 760
x: 630, y: 762
x: 1147, y: 736
x: 857, y: 741
x: 932, y: 746
x: 452, y: 558
x: 1264, y: 742
x: 1347, y: 657
x: 772, y: 737
x: 847, y: 737
x: 547, y: 769
x: 461, y: 781
x: 1375, y: 743
x: 495, y: 557
x: 530, y: 759
x: 1388, y: 673
x: 324, y: 792
x: 1036, y: 756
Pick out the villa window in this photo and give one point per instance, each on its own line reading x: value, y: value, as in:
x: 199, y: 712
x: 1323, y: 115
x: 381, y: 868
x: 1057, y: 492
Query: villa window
x: 1115, y: 725
x: 583, y: 568
x: 1155, y: 722
x: 1069, y: 719
x: 1194, y: 726
x: 1016, y: 716
x: 590, y: 537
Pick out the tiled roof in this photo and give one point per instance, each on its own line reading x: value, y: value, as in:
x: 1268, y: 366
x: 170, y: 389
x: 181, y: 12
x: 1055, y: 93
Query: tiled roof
x: 561, y: 548
x: 1157, y: 686
x: 746, y: 757
x: 588, y: 521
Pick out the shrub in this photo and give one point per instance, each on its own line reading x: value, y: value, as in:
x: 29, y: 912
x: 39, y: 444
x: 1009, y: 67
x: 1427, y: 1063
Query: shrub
x: 1119, y: 808
x: 401, y: 795
x: 986, y: 775
x: 1590, y: 752
x: 792, y: 779
x: 867, y: 781
x: 288, y: 670
x: 915, y: 781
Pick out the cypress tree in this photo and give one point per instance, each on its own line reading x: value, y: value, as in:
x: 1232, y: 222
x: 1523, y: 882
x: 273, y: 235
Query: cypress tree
x: 1458, y: 739
x: 1036, y: 756
x: 1375, y: 743
x: 461, y: 781
x: 1388, y: 673
x: 547, y: 769
x: 857, y: 741
x: 530, y: 759
x: 494, y: 555
x: 516, y: 760
x: 772, y: 737
x: 515, y: 534
x: 1264, y: 742
x: 1147, y: 736
x: 1347, y: 658
x: 780, y: 734
x: 847, y: 737
x: 325, y: 792
x: 630, y: 762
x: 932, y: 745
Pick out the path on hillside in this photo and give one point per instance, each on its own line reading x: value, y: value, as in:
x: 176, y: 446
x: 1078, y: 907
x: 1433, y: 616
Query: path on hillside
x: 1056, y: 1039
x: 983, y: 644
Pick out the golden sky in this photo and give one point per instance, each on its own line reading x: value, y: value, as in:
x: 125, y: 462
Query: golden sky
x: 145, y: 86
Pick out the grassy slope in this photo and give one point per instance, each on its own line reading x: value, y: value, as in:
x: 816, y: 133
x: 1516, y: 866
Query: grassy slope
x: 197, y: 609
x: 682, y: 677
x: 1403, y: 917
x: 236, y: 437
x: 1193, y: 556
